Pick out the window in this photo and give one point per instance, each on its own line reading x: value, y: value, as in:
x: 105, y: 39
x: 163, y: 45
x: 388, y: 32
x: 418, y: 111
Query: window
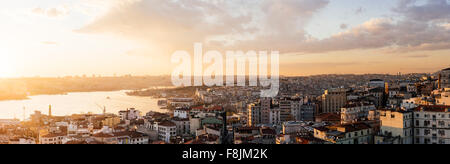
x: 426, y: 123
x: 417, y: 123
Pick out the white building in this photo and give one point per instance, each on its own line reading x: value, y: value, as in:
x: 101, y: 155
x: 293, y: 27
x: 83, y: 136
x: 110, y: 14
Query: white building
x: 432, y: 124
x: 9, y: 122
x: 166, y: 130
x: 52, y: 138
x: 444, y: 97
x: 130, y: 114
x: 396, y: 127
x: 355, y: 112
x: 182, y: 113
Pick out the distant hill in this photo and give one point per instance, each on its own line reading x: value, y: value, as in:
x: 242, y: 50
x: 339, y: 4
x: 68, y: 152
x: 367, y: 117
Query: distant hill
x: 21, y: 88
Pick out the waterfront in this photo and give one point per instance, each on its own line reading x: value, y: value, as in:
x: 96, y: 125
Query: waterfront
x: 77, y: 102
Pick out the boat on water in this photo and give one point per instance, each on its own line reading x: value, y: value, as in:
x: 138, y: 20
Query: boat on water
x: 162, y: 104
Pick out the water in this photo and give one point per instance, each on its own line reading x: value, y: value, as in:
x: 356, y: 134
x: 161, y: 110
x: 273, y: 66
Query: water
x: 76, y: 103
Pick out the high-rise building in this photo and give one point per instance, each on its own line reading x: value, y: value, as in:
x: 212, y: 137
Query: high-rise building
x: 266, y: 104
x: 285, y: 105
x: 333, y: 100
x: 254, y: 114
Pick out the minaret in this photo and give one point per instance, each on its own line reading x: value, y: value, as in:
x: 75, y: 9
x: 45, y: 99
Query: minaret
x: 439, y: 81
x: 50, y: 110
x: 24, y: 114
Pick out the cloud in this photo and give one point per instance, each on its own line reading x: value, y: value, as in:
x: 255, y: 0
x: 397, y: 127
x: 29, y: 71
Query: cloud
x: 421, y: 29
x: 169, y: 25
x: 51, y: 12
x: 55, y: 12
x: 431, y: 10
x: 175, y: 25
x: 359, y: 10
x: 49, y: 43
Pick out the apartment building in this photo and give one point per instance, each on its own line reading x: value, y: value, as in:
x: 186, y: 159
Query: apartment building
x: 432, y: 124
x: 355, y: 112
x: 396, y: 127
x: 333, y: 100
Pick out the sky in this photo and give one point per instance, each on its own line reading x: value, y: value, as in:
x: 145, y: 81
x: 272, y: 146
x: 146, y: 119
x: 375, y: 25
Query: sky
x: 116, y: 37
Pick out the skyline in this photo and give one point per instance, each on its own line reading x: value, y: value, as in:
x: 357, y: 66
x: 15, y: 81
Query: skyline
x: 52, y: 38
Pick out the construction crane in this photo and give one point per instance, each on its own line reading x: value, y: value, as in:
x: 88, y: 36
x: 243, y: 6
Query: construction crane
x: 102, y: 108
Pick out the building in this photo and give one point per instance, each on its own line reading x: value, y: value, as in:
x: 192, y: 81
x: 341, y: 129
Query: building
x: 130, y: 114
x: 328, y: 117
x: 443, y: 97
x: 376, y: 83
x: 134, y: 138
x: 183, y: 126
x: 22, y: 141
x: 182, y: 113
x: 166, y: 130
x: 9, y: 122
x: 356, y: 133
x: 396, y: 127
x: 333, y: 100
x: 444, y: 78
x: 266, y: 105
x: 274, y: 116
x: 254, y: 114
x: 307, y: 112
x: 180, y: 102
x: 355, y: 112
x: 285, y: 105
x: 293, y: 127
x: 111, y: 121
x: 52, y: 138
x: 432, y: 124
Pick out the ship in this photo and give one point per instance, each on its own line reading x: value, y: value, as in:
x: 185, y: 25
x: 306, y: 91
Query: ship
x: 162, y: 104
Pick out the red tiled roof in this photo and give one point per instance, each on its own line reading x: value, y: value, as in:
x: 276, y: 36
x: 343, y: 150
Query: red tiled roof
x: 433, y: 108
x: 167, y: 123
x: 52, y: 135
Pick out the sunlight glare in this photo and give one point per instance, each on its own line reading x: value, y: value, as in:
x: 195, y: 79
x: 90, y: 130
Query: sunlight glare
x: 6, y: 69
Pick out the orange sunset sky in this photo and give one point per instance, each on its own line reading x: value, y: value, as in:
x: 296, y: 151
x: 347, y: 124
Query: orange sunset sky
x: 107, y: 37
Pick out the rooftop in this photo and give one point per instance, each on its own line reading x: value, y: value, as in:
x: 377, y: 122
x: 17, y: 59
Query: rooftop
x: 432, y: 108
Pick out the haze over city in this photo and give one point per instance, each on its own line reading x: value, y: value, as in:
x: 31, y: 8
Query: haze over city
x: 65, y: 37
